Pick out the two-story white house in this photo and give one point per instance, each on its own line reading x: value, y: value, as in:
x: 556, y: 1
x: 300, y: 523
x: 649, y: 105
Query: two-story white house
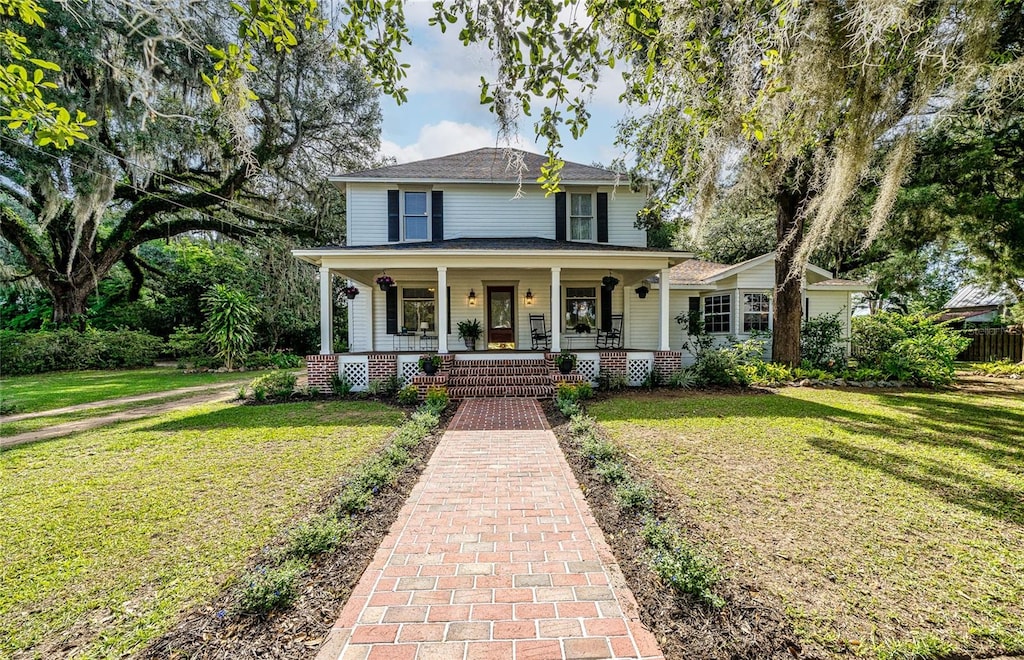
x: 465, y: 238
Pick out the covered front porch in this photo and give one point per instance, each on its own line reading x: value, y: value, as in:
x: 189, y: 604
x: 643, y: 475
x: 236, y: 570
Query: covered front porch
x: 529, y: 297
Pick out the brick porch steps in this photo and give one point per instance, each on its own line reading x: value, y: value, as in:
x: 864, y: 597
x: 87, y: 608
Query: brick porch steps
x: 499, y: 378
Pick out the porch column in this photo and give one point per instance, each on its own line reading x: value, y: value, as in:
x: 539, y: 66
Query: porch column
x: 664, y: 297
x: 442, y: 309
x: 556, y: 309
x: 326, y: 312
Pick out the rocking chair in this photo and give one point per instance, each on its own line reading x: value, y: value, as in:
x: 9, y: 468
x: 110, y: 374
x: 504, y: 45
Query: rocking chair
x: 612, y: 337
x: 540, y: 336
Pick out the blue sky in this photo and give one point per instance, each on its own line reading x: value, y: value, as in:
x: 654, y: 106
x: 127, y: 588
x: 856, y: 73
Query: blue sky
x: 443, y: 114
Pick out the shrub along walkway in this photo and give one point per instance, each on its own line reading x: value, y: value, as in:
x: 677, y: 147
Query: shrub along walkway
x: 494, y: 555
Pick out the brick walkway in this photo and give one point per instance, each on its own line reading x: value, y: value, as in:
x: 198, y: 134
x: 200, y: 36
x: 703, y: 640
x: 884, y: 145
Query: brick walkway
x: 494, y: 555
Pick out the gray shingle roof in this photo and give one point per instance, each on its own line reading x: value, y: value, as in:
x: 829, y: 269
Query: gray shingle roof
x: 488, y: 164
x: 498, y: 244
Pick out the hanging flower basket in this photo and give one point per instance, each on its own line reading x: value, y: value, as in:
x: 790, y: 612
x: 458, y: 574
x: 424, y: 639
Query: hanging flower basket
x: 350, y: 292
x: 385, y: 282
x: 641, y: 291
x: 609, y: 282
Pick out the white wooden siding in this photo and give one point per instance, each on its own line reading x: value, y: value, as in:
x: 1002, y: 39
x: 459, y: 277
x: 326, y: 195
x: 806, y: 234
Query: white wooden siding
x: 488, y: 211
x: 367, y: 219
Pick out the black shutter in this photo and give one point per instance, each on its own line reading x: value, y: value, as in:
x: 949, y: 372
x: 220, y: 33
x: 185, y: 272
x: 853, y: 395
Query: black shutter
x: 391, y: 313
x: 449, y: 310
x: 560, y: 216
x: 437, y: 215
x: 602, y: 217
x: 606, y: 309
x: 394, y: 228
x: 693, y: 326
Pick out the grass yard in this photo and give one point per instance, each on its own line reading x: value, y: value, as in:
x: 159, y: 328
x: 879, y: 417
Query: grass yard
x: 890, y: 524
x: 109, y: 534
x: 17, y: 427
x: 68, y: 388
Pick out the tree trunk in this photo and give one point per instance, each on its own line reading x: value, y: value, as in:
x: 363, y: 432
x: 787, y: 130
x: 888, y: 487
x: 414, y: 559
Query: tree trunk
x: 788, y: 308
x: 69, y: 306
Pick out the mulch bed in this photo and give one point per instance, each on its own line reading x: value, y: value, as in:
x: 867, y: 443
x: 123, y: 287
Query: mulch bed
x: 215, y: 630
x: 750, y: 626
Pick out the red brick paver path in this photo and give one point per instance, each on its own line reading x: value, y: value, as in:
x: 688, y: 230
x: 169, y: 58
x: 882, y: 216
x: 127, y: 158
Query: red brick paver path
x: 494, y: 555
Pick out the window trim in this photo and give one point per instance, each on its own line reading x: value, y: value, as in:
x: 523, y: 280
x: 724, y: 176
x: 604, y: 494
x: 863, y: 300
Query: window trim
x: 593, y: 217
x: 743, y: 313
x: 401, y: 215
x: 728, y: 315
x: 565, y: 303
x: 401, y: 305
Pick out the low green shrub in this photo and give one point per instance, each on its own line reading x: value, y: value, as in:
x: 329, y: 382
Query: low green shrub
x: 408, y: 395
x: 436, y: 400
x: 998, y: 369
x: 384, y: 387
x: 634, y: 495
x: 271, y: 588
x: 765, y: 373
x: 341, y: 385
x: 597, y: 450
x: 611, y: 382
x: 274, y: 359
x: 320, y: 534
x: 69, y: 350
x: 354, y: 498
x: 821, y: 342
x: 805, y: 370
x: 397, y: 455
x: 908, y: 347
x: 652, y: 380
x: 681, y: 566
x: 275, y: 384
x: 580, y: 423
x: 612, y: 472
x: 685, y: 378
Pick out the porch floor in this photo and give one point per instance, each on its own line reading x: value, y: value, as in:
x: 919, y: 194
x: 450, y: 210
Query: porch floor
x: 495, y: 555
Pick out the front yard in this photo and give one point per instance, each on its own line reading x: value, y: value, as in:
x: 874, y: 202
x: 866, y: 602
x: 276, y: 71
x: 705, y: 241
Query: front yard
x: 888, y: 524
x: 110, y: 534
x: 26, y: 394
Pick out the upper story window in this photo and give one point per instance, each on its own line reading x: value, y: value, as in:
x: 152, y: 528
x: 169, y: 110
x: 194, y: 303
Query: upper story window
x: 581, y: 217
x: 717, y: 313
x: 756, y: 312
x: 414, y: 218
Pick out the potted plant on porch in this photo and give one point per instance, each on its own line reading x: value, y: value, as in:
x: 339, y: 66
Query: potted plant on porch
x: 566, y: 362
x: 469, y: 332
x: 429, y: 364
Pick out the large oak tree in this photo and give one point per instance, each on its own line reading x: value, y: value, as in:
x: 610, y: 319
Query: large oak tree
x: 164, y: 157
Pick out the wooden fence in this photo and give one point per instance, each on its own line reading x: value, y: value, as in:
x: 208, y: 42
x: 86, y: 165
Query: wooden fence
x: 993, y: 344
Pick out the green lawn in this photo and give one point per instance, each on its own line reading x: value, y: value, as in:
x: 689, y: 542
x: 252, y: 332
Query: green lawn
x: 890, y: 524
x: 109, y: 534
x: 69, y: 388
x: 8, y: 429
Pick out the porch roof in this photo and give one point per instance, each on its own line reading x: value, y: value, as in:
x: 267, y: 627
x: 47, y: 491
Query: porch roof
x: 492, y: 253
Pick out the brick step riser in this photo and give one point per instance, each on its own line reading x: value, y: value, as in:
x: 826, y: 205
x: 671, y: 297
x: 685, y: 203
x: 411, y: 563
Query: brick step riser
x: 501, y: 371
x: 522, y: 391
x: 476, y: 364
x: 474, y: 381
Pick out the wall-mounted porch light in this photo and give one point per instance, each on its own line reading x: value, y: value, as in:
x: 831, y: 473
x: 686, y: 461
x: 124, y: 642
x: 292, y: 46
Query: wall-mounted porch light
x: 472, y: 297
x: 529, y: 297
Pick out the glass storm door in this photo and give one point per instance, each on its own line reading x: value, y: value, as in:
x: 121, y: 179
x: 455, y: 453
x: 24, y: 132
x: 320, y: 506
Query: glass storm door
x: 500, y: 317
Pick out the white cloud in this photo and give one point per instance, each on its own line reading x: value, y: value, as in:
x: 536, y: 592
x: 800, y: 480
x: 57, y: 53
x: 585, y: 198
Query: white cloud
x: 440, y: 139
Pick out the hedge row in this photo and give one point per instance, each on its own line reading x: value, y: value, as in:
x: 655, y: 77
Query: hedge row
x: 64, y: 350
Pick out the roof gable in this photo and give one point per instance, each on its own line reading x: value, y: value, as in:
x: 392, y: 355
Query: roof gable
x: 490, y: 165
x: 696, y: 271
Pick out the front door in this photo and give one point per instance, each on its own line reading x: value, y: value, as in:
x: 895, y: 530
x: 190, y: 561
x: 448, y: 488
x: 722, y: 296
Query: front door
x: 500, y: 317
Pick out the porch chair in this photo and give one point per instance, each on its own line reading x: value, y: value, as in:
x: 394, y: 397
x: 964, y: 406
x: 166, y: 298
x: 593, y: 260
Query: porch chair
x: 540, y: 336
x: 612, y: 337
